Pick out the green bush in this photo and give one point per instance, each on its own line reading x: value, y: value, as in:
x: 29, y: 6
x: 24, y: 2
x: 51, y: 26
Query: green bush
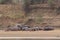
x: 2, y: 1
x: 1, y: 27
x: 50, y: 3
x: 19, y: 15
x: 15, y: 1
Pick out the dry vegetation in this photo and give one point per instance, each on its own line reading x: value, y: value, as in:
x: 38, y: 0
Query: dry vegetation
x: 11, y: 14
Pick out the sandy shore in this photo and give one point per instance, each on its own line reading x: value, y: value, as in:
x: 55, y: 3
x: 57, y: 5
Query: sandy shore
x: 54, y: 33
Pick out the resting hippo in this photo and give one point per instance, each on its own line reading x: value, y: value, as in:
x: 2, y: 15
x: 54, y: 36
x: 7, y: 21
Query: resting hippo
x: 37, y: 28
x: 25, y: 28
x: 47, y: 28
x: 13, y: 28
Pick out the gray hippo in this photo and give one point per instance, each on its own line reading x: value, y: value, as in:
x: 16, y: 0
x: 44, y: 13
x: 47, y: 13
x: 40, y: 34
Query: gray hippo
x: 25, y: 28
x: 47, y: 28
x: 13, y: 28
x: 36, y: 28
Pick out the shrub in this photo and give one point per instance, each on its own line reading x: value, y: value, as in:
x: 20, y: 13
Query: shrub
x: 1, y: 27
x: 39, y: 19
x: 19, y: 15
x: 2, y: 1
x: 50, y: 3
x: 58, y: 11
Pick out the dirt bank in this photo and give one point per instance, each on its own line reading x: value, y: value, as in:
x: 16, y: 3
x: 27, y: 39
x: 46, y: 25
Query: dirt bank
x: 54, y: 33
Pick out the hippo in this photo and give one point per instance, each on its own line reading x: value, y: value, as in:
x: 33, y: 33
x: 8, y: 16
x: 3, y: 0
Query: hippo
x: 47, y: 28
x: 19, y: 26
x: 26, y: 28
x: 40, y: 28
x: 13, y: 28
x: 30, y: 29
x: 37, y: 28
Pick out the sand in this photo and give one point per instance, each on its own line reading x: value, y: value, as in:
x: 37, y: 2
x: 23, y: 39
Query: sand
x: 54, y: 33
